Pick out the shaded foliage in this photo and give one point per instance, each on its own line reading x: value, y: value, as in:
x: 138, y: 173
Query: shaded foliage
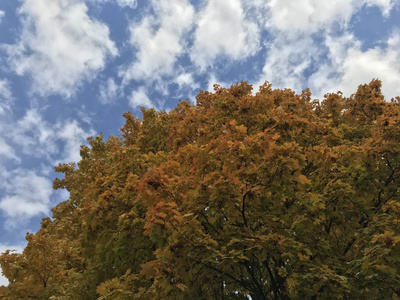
x: 268, y: 196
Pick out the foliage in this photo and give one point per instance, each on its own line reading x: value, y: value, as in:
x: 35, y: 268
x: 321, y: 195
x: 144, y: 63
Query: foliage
x: 268, y: 195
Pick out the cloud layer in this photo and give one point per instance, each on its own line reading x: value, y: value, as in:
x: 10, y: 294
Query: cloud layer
x: 62, y: 46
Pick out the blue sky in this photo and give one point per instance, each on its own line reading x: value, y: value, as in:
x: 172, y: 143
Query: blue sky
x: 69, y: 69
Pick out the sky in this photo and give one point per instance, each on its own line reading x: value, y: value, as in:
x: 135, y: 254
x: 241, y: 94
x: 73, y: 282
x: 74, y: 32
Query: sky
x: 69, y: 69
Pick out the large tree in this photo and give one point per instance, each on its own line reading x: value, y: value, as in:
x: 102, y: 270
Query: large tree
x: 268, y: 195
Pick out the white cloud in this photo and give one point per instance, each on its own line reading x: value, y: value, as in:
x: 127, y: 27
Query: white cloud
x: 158, y: 40
x: 308, y: 15
x: 7, y: 151
x: 109, y: 91
x: 26, y: 194
x: 295, y: 50
x: 73, y: 136
x: 223, y: 30
x: 288, y: 58
x: 326, y: 78
x: 140, y: 98
x: 186, y: 80
x: 129, y: 3
x: 350, y: 66
x: 257, y: 10
x: 36, y: 137
x: 313, y: 15
x: 33, y: 135
x: 212, y: 80
x: 6, y: 97
x: 2, y: 14
x: 385, y: 5
x: 124, y: 3
x: 60, y: 46
x: 359, y: 67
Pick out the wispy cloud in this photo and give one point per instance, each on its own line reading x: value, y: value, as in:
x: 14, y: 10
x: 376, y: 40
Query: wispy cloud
x: 2, y: 14
x: 129, y: 3
x: 186, y: 80
x: 109, y: 91
x: 7, y: 151
x: 288, y: 57
x: 385, y: 5
x: 6, y: 97
x: 124, y: 3
x: 140, y: 98
x: 72, y: 135
x: 35, y: 136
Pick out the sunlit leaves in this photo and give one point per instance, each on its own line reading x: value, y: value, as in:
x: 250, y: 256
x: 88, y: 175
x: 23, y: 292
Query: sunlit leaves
x: 268, y: 195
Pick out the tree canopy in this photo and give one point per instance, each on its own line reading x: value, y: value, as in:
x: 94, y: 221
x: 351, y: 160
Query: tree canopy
x: 268, y: 195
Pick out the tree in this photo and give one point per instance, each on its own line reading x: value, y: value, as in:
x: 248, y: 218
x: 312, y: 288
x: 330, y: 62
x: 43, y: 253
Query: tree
x: 272, y: 196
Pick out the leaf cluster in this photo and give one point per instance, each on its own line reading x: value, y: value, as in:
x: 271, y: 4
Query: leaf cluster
x: 268, y: 195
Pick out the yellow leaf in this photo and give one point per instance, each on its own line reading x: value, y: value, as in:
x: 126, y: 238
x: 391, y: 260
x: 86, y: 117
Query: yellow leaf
x: 303, y: 179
